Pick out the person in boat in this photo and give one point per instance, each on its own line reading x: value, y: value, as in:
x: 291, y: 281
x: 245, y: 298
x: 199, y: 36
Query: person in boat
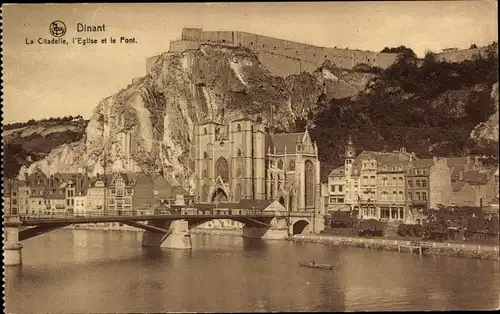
x: 314, y: 263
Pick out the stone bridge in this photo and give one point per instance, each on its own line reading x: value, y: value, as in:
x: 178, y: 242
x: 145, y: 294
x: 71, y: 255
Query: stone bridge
x: 168, y: 228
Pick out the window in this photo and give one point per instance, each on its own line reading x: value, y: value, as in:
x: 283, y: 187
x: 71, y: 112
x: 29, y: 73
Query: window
x: 417, y: 196
x: 205, y: 131
x: 365, y: 180
x: 410, y: 196
x: 14, y: 202
x: 128, y: 201
x: 394, y: 196
x: 39, y: 202
x: 340, y: 188
x: 332, y: 188
x: 119, y: 192
x: 333, y: 200
x: 424, y: 196
x: 205, y: 155
x: 280, y: 164
x: 417, y: 183
x: 410, y: 183
x: 424, y: 183
x: 291, y: 165
x: 384, y: 181
x: 13, y: 193
x: 394, y: 181
x: 340, y: 199
x: 238, y: 127
x: 401, y: 196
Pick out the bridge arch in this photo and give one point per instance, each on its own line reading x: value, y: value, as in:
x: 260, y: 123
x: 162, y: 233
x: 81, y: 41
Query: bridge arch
x: 300, y: 226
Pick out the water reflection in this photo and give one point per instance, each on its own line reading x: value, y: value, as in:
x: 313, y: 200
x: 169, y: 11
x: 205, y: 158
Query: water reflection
x: 92, y: 271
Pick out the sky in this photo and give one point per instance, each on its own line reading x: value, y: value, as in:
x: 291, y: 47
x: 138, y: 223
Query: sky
x: 59, y: 80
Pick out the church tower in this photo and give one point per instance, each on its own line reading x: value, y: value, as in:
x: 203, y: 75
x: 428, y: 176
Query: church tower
x: 349, y: 156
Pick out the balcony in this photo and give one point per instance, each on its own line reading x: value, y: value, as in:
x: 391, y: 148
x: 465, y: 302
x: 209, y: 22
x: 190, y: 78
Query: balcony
x: 419, y: 202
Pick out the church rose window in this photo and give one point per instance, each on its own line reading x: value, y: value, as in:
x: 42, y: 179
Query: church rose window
x: 222, y: 169
x: 309, y: 183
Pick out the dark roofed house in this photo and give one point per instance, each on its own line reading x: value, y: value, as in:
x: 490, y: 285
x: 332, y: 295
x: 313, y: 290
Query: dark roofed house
x: 478, y: 187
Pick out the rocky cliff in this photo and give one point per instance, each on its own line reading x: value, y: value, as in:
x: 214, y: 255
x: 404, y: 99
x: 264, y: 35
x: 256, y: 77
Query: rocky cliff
x: 149, y: 125
x: 486, y: 133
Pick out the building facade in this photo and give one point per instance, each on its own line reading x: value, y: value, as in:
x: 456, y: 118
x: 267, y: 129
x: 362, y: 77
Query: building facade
x: 243, y: 160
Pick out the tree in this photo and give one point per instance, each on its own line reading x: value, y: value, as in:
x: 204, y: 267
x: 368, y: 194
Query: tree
x: 473, y: 46
x: 407, y: 52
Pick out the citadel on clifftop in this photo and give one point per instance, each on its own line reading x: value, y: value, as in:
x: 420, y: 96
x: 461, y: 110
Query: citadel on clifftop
x: 283, y: 57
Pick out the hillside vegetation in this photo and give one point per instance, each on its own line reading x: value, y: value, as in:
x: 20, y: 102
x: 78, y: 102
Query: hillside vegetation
x: 27, y: 142
x: 429, y: 109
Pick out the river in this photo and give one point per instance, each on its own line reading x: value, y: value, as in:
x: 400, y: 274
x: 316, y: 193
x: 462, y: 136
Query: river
x: 68, y: 271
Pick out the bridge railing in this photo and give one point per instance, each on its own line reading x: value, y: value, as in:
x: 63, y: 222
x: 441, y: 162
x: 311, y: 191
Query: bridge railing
x: 151, y: 212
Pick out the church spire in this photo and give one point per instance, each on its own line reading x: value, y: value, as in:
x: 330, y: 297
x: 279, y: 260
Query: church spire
x: 350, y: 152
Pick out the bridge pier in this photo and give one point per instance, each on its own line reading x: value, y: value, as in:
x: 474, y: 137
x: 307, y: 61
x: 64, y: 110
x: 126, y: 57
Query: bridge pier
x: 177, y: 237
x: 277, y: 230
x: 12, y: 255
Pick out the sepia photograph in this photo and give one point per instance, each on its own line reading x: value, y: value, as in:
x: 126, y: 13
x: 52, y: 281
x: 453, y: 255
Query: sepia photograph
x: 250, y: 157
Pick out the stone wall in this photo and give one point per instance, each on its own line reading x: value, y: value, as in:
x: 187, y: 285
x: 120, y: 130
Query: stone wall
x: 282, y: 57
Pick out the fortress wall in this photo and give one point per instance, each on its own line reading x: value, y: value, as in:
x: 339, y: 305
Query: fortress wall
x: 191, y: 33
x: 385, y: 60
x: 462, y: 55
x: 270, y: 50
x: 279, y: 65
x: 183, y: 45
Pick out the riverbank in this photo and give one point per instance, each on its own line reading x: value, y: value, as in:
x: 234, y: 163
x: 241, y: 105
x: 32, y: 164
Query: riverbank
x: 435, y: 248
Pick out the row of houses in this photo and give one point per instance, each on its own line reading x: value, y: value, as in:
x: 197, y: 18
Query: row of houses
x: 399, y: 186
x: 78, y: 193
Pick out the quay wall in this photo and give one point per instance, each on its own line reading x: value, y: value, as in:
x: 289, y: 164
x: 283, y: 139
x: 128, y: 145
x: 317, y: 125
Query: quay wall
x: 449, y: 249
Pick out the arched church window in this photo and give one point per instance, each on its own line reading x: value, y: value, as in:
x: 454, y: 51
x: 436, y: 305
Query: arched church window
x: 205, y: 131
x: 309, y: 183
x: 204, y: 173
x: 205, y: 155
x: 291, y: 165
x: 280, y: 164
x: 237, y: 193
x: 239, y: 152
x: 238, y: 127
x: 204, y: 193
x: 222, y: 169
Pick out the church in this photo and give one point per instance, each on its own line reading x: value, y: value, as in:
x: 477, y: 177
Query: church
x: 244, y: 160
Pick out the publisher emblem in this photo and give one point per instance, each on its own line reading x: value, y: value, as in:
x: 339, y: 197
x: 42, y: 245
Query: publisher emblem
x: 57, y: 28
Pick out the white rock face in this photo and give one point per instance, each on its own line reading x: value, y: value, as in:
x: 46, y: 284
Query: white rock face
x: 487, y: 132
x: 149, y: 126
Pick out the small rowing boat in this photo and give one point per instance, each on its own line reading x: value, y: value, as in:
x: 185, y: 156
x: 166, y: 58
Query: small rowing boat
x: 314, y: 265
